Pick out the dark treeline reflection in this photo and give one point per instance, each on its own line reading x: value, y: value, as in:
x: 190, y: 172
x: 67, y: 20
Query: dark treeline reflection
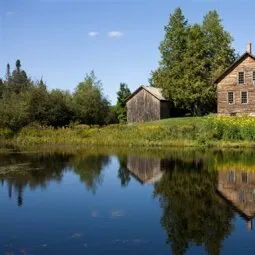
x: 192, y: 210
x: 19, y: 171
x: 199, y: 192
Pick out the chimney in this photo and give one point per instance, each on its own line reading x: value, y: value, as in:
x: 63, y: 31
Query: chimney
x: 249, y: 48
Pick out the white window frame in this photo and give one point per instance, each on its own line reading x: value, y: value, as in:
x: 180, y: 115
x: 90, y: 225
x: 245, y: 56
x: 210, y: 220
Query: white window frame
x: 247, y: 96
x: 233, y: 97
x: 238, y: 81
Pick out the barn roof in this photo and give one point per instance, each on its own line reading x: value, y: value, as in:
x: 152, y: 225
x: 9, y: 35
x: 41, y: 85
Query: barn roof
x: 156, y: 92
x: 231, y: 68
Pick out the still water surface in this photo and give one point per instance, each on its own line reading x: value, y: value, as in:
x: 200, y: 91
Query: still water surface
x: 171, y: 202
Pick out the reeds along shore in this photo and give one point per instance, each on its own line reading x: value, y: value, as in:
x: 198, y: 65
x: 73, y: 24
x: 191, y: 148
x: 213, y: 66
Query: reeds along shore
x: 200, y: 131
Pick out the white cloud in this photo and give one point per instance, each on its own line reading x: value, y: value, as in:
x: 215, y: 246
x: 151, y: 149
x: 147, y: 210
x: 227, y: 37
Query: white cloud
x: 9, y: 13
x: 93, y: 34
x: 114, y: 34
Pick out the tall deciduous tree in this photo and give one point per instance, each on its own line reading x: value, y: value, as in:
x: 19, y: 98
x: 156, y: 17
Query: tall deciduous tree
x: 89, y: 104
x: 122, y: 94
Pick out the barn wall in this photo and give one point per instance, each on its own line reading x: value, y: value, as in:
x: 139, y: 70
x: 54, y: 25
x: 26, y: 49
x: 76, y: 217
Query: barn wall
x: 230, y: 83
x: 164, y: 109
x: 143, y: 107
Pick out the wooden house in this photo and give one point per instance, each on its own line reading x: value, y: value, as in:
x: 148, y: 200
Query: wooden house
x: 147, y: 104
x: 236, y: 86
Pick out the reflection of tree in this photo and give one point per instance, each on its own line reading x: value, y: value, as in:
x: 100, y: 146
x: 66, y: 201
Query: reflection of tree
x: 21, y: 171
x: 193, y: 213
x: 123, y: 172
x: 89, y: 169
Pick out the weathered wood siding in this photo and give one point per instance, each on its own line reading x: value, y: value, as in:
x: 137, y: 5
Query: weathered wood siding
x: 143, y: 107
x: 230, y: 84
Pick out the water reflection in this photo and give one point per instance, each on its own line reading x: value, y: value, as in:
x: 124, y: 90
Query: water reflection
x: 145, y: 169
x: 19, y: 171
x: 192, y: 211
x: 238, y: 188
x: 199, y: 193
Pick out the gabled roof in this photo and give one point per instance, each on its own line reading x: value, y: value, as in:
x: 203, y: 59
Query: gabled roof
x: 231, y: 68
x: 156, y: 92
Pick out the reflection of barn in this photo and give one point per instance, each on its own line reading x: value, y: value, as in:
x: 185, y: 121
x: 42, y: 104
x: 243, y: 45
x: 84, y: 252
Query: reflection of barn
x: 238, y: 187
x: 146, y: 170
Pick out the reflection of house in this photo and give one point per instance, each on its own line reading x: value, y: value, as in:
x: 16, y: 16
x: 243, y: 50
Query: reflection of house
x: 238, y: 187
x: 146, y: 170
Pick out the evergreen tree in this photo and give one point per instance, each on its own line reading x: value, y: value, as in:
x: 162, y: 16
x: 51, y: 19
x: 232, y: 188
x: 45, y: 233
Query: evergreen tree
x: 195, y: 94
x: 19, y: 79
x: 172, y: 50
x: 1, y: 88
x: 123, y: 94
x: 192, y: 57
x: 8, y: 73
x: 218, y: 45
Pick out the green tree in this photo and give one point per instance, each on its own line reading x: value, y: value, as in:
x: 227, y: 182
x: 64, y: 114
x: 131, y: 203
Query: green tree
x: 123, y: 94
x: 172, y: 49
x: 218, y: 46
x: 59, y: 113
x: 19, y: 80
x: 8, y: 73
x: 14, y: 111
x: 195, y: 94
x: 89, y: 104
x: 191, y: 59
x: 112, y: 116
x: 1, y: 89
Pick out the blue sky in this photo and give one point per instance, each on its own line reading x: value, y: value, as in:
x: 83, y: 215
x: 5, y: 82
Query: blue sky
x: 62, y: 40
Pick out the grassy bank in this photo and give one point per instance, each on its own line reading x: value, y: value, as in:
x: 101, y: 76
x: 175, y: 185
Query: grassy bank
x: 200, y: 131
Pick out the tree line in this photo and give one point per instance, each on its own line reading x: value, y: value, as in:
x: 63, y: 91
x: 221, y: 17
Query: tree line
x: 192, y: 57
x: 23, y: 101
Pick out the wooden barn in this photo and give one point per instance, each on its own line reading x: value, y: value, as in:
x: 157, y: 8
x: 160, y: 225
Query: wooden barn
x: 147, y: 104
x: 236, y: 86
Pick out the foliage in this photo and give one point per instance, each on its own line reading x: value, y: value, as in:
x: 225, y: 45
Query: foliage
x: 89, y: 104
x: 192, y: 57
x: 189, y: 131
x: 23, y: 102
x: 123, y: 93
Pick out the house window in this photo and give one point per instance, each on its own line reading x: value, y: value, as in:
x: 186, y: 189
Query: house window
x: 244, y: 177
x: 253, y: 77
x: 230, y: 177
x: 244, y: 97
x: 230, y: 97
x: 241, y: 77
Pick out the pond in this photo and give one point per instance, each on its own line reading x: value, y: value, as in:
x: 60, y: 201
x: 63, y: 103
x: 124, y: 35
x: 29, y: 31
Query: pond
x: 116, y: 201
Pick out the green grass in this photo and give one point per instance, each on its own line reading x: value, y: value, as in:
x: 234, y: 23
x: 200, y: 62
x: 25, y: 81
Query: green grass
x: 188, y: 131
